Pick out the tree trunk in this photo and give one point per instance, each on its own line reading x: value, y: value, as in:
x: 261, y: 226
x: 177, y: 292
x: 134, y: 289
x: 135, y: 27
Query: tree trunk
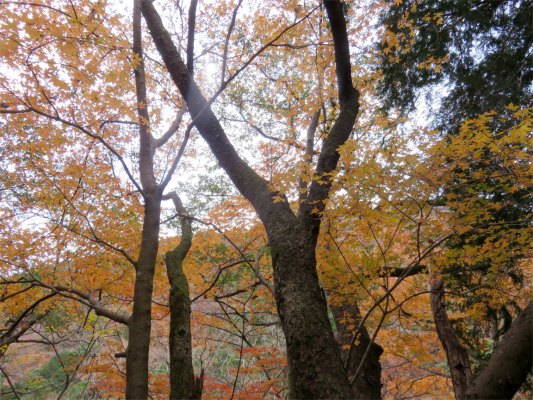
x: 510, y: 363
x: 182, y: 383
x: 141, y: 318
x: 368, y: 384
x: 140, y: 324
x: 456, y: 353
x: 314, y: 364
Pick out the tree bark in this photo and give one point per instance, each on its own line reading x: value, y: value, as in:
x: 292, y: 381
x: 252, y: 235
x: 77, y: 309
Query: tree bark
x: 510, y: 363
x: 182, y: 382
x: 368, y: 384
x: 314, y: 363
x: 141, y: 318
x: 456, y: 353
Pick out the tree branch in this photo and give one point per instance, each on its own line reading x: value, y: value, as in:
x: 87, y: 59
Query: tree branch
x: 226, y: 43
x: 190, y: 36
x: 308, y: 156
x: 343, y: 126
x: 158, y: 142
x: 95, y: 304
x: 146, y: 166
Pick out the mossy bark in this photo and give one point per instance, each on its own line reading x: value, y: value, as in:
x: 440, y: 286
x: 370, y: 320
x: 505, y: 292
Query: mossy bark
x: 182, y: 382
x: 181, y: 368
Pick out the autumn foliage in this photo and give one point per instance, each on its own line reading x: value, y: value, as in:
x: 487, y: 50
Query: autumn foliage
x: 406, y: 205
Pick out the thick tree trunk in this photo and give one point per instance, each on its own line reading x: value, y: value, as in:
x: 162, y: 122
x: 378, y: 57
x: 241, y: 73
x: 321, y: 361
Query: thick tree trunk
x: 368, y: 383
x: 182, y: 383
x: 314, y: 363
x: 456, y: 353
x: 510, y: 363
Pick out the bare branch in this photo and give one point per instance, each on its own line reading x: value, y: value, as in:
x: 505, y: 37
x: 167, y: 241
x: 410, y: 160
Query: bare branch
x: 217, y: 276
x: 190, y: 36
x: 308, y: 156
x: 226, y: 43
x: 158, y: 142
x: 257, y: 272
x: 10, y: 383
x: 177, y: 159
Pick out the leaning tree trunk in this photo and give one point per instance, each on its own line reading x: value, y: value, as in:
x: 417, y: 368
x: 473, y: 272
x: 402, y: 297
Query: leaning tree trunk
x: 508, y: 366
x: 182, y: 381
x: 315, y: 368
x: 510, y: 363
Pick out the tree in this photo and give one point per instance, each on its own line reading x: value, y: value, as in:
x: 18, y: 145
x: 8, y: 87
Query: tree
x: 55, y: 107
x: 477, y: 52
x: 292, y: 239
x: 183, y: 385
x: 277, y: 217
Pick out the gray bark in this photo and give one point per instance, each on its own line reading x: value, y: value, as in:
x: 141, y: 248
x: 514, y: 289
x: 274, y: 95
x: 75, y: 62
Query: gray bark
x: 140, y: 323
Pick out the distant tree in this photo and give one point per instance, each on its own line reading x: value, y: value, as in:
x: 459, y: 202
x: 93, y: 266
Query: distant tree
x: 462, y: 59
x: 465, y: 57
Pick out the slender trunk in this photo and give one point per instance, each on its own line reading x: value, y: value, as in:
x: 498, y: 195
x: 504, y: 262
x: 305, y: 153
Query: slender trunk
x: 182, y: 382
x: 510, y: 363
x: 506, y: 370
x: 137, y: 354
x: 308, y: 156
x: 141, y: 317
x: 368, y: 384
x: 456, y: 353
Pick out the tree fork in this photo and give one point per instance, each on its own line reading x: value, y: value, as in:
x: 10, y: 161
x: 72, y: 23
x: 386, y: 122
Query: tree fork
x: 315, y: 366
